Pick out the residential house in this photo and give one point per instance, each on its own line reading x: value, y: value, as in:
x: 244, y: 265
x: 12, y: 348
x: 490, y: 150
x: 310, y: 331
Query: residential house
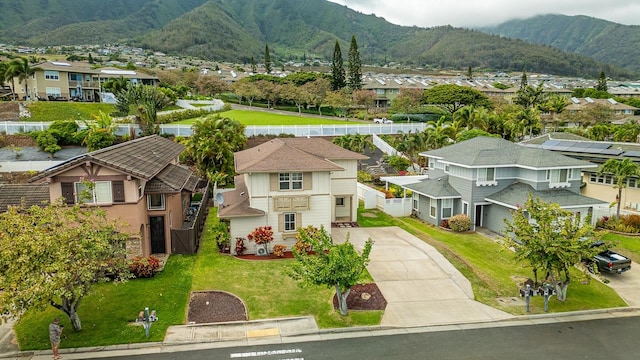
x: 138, y: 182
x: 486, y: 178
x: 618, y: 110
x: 289, y: 183
x: 594, y: 184
x: 60, y: 80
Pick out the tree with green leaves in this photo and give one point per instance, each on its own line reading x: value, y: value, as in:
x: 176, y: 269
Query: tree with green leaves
x: 530, y: 97
x: 550, y: 239
x: 354, y: 80
x: 338, y: 75
x: 317, y: 91
x: 354, y: 142
x: 100, y: 132
x: 267, y: 60
x: 90, y: 59
x: 247, y: 90
x: 407, y: 101
x: 69, y: 249
x: 332, y: 265
x: 602, y: 83
x: 211, y: 147
x: 452, y: 97
x: 116, y: 84
x: 22, y: 69
x: 339, y: 100
x: 148, y: 100
x: 621, y: 170
x: 364, y: 98
x: 252, y: 64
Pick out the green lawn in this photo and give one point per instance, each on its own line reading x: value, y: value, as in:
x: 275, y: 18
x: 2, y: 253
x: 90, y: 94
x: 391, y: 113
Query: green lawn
x: 266, y: 289
x: 63, y: 110
x: 107, y: 313
x: 626, y: 245
x: 249, y: 117
x: 491, y: 268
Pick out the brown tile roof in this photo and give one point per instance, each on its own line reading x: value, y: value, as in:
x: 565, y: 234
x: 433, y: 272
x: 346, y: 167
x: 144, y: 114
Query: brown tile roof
x: 236, y: 203
x: 293, y: 154
x: 141, y: 158
x: 14, y: 194
x: 172, y: 179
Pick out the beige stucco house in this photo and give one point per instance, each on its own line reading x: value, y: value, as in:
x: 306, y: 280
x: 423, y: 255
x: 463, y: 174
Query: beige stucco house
x: 138, y: 182
x: 289, y: 183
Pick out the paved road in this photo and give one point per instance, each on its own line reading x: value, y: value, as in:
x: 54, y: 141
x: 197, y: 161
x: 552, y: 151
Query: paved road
x: 609, y: 339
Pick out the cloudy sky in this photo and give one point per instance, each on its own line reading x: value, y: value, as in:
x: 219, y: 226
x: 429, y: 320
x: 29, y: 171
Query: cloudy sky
x: 471, y: 13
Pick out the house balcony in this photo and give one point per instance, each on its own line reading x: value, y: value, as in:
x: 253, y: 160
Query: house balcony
x: 73, y: 84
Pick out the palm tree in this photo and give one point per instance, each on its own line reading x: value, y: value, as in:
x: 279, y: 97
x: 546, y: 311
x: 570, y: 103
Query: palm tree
x: 556, y: 105
x: 23, y: 70
x: 8, y: 73
x: 621, y: 171
x: 438, y: 133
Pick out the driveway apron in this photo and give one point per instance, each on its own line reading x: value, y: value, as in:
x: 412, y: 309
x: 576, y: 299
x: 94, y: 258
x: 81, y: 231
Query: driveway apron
x: 421, y: 287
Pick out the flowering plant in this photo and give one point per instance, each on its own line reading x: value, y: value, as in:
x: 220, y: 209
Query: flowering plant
x: 261, y: 235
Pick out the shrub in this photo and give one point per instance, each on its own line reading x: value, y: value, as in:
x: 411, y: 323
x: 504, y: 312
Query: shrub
x: 632, y: 220
x: 444, y: 223
x: 278, y: 249
x: 302, y: 246
x: 460, y: 223
x: 64, y: 132
x: 144, y: 267
x: 221, y: 232
x: 261, y: 235
x: 240, y: 248
x: 364, y: 177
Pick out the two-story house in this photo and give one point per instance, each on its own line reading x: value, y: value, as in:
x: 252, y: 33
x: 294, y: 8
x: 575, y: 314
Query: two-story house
x: 289, y: 183
x: 138, y: 182
x: 486, y: 178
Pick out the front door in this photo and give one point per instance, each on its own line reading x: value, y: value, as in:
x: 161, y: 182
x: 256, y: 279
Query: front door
x: 478, y: 219
x: 156, y: 225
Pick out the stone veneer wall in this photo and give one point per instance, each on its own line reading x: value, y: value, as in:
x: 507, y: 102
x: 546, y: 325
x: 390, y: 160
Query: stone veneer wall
x: 134, y: 247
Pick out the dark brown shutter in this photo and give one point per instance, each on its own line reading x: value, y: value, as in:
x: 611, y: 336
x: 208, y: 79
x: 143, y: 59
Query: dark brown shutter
x: 67, y: 193
x: 117, y: 188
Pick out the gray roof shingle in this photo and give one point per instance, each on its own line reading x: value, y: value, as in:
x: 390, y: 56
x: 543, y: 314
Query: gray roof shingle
x: 517, y: 194
x: 15, y: 194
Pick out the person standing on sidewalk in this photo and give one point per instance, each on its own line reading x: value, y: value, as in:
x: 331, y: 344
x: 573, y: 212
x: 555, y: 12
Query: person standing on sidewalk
x: 55, y: 330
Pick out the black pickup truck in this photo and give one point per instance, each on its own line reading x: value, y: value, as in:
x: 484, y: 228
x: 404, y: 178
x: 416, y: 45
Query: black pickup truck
x: 608, y: 261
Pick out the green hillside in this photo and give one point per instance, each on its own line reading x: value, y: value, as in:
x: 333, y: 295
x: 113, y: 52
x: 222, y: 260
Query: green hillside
x: 238, y: 30
x: 602, y: 40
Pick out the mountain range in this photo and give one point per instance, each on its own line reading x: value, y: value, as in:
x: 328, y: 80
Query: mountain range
x: 599, y: 39
x: 238, y: 30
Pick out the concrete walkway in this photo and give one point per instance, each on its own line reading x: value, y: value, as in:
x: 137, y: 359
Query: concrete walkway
x: 421, y: 287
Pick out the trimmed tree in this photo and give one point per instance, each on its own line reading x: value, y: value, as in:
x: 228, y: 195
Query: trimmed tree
x: 53, y: 255
x: 332, y: 265
x: 338, y: 75
x: 550, y: 239
x: 355, y: 66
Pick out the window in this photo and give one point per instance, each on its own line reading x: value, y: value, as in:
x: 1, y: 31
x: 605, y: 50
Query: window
x: 139, y: 182
x: 290, y: 181
x: 52, y: 91
x: 415, y: 203
x: 559, y: 177
x: 290, y: 222
x: 100, y: 194
x: 446, y: 168
x: 340, y: 201
x: 465, y: 208
x: 51, y: 75
x: 432, y: 207
x: 447, y: 208
x: 155, y: 202
x: 487, y: 176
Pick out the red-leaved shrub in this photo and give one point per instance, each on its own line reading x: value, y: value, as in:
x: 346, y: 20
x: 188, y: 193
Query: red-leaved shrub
x: 144, y: 267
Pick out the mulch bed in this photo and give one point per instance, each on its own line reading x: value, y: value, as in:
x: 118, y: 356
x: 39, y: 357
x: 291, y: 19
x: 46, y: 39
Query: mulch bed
x: 364, y: 297
x: 215, y: 306
x: 287, y: 255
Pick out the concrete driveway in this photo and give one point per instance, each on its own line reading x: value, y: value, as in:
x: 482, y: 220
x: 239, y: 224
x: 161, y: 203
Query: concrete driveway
x: 627, y: 284
x: 420, y: 285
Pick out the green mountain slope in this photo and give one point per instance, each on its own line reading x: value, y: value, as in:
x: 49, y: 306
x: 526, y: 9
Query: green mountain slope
x: 600, y: 39
x: 237, y: 30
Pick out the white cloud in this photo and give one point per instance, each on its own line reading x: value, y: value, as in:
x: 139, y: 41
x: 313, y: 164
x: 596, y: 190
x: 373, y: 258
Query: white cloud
x: 471, y: 13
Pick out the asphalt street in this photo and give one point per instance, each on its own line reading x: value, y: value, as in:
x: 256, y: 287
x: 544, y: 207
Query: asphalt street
x: 609, y: 339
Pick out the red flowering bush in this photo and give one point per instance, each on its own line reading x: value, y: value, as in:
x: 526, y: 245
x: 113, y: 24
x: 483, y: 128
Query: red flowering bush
x: 261, y: 235
x: 444, y: 223
x: 240, y: 248
x: 144, y: 267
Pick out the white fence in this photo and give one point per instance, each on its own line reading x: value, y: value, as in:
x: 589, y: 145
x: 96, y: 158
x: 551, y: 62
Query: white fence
x: 374, y: 199
x: 17, y: 127
x: 21, y: 166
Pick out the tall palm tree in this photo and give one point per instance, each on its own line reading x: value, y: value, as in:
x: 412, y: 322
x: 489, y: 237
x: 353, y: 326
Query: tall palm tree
x: 438, y: 133
x: 8, y: 73
x: 621, y: 171
x: 23, y: 70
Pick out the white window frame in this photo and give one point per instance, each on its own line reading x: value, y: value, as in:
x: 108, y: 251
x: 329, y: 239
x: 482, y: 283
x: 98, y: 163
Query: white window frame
x: 290, y: 181
x: 52, y: 75
x: 556, y: 180
x: 465, y: 208
x: 483, y: 178
x: 101, y: 193
x: 150, y: 205
x: 289, y: 222
x: 433, y: 208
x: 446, y: 204
x: 53, y: 91
x: 415, y: 203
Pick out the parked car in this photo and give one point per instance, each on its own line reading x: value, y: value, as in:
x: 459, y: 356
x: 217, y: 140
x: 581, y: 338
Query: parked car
x: 383, y: 120
x: 608, y: 261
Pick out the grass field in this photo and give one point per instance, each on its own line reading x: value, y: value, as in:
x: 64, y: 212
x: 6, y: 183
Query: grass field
x: 63, y: 110
x: 249, y: 117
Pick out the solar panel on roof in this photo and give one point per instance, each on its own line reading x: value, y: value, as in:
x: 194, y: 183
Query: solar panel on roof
x: 610, y: 152
x: 550, y: 143
x: 632, y: 153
